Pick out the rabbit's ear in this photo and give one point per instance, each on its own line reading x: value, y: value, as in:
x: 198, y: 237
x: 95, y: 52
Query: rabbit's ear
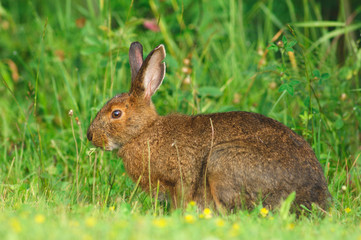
x: 151, y: 74
x: 135, y: 58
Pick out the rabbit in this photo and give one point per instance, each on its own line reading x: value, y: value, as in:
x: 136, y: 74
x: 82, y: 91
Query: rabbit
x: 222, y: 160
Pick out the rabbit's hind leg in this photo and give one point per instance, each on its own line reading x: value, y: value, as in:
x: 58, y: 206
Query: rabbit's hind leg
x: 221, y: 208
x: 228, y: 179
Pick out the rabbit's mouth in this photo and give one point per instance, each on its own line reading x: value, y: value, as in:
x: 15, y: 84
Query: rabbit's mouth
x: 102, y: 141
x: 107, y: 146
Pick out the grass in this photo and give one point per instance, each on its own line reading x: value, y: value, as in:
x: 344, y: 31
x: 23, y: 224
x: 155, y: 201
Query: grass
x: 59, y: 56
x: 94, y: 223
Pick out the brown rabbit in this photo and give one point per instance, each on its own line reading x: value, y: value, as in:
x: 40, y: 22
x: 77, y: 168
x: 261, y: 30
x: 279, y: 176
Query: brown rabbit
x: 225, y: 160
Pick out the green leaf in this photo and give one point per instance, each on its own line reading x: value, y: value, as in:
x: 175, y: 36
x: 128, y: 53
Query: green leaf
x: 291, y: 44
x: 279, y: 68
x: 290, y: 90
x: 284, y: 39
x: 282, y: 87
x: 325, y: 76
x: 286, y: 206
x: 306, y: 117
x: 286, y: 87
x: 316, y: 73
x: 294, y: 83
x: 210, y: 91
x: 339, y: 123
x: 273, y: 47
x: 288, y: 49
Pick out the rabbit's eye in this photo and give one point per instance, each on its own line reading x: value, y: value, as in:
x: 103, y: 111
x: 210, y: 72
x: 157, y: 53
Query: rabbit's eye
x: 116, y: 114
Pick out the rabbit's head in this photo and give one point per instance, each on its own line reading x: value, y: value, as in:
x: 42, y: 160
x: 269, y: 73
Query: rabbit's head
x: 126, y: 115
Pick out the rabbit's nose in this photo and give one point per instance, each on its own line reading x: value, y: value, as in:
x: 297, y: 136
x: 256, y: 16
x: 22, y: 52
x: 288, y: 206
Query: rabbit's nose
x: 89, y: 135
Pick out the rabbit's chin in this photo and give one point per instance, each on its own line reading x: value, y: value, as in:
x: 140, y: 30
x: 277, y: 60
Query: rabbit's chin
x: 112, y: 146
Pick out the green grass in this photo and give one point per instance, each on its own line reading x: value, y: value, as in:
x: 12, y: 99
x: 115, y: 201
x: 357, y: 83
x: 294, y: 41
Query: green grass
x: 90, y: 222
x: 54, y: 184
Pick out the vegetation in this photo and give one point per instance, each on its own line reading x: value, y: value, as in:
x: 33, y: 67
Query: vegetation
x: 60, y: 61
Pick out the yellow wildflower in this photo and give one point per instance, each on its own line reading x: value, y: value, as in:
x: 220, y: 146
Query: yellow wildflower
x: 235, y: 226
x: 160, y: 222
x: 207, y: 213
x: 192, y: 203
x: 201, y: 215
x: 112, y: 208
x: 220, y: 222
x: 90, y: 221
x: 290, y: 226
x: 15, y: 225
x: 235, y: 230
x: 347, y: 210
x: 189, y: 218
x: 264, y: 212
x: 39, y: 218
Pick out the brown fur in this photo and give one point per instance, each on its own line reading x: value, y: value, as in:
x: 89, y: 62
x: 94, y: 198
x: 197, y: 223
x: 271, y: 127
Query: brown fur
x: 227, y: 160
